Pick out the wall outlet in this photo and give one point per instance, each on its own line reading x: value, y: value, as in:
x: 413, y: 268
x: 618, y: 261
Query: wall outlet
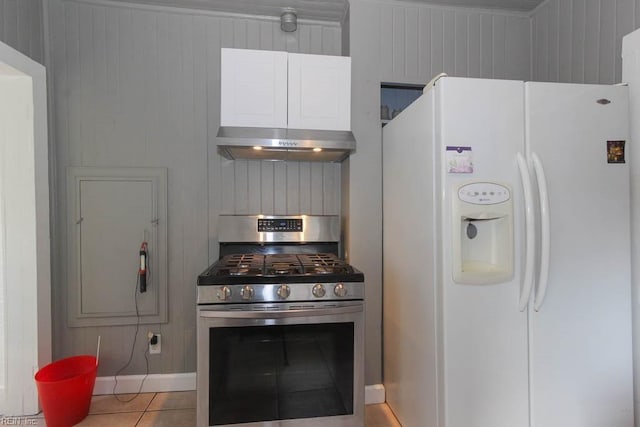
x: 155, y: 344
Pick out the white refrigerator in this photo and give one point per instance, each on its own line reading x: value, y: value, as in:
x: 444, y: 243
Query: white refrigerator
x: 631, y: 75
x: 506, y: 256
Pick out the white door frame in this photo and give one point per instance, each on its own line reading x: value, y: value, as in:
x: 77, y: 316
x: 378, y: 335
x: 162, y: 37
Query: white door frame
x: 27, y: 277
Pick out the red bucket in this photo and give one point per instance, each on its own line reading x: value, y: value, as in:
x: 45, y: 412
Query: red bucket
x: 65, y: 388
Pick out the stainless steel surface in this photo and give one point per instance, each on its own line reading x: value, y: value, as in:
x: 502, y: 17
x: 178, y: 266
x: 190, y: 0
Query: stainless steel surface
x: 283, y: 291
x: 244, y: 229
x: 246, y: 293
x: 255, y: 289
x: 269, y: 292
x: 266, y: 311
x: 223, y: 293
x: 340, y: 290
x: 285, y: 144
x: 351, y: 312
x: 318, y: 290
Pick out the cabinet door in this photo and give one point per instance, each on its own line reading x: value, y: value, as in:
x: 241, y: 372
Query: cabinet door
x: 319, y: 92
x: 253, y: 88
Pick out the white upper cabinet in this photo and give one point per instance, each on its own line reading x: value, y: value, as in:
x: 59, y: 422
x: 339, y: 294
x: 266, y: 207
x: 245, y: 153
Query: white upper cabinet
x: 285, y: 90
x: 319, y: 92
x: 253, y: 92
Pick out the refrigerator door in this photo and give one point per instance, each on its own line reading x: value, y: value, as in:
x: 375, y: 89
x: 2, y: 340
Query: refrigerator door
x: 580, y: 339
x: 631, y: 75
x: 484, y: 333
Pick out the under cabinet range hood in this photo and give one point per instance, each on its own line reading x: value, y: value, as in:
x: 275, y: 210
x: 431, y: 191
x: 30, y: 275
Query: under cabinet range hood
x: 285, y: 144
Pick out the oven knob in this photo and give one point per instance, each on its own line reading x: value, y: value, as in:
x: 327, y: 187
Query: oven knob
x: 318, y: 291
x: 246, y: 292
x: 224, y: 293
x: 283, y: 291
x: 340, y: 290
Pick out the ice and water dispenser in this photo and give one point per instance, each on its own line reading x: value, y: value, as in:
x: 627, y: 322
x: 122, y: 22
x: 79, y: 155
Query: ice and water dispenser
x: 482, y: 233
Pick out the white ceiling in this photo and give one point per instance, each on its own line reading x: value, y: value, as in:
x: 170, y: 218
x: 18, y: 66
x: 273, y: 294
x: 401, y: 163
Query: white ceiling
x: 322, y: 10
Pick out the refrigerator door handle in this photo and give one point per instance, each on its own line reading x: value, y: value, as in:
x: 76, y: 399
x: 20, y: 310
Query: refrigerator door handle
x: 530, y: 249
x: 545, y: 235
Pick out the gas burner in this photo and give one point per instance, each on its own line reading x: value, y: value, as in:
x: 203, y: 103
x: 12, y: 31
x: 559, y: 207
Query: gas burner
x: 242, y: 271
x: 323, y: 270
x: 282, y: 268
x: 282, y: 265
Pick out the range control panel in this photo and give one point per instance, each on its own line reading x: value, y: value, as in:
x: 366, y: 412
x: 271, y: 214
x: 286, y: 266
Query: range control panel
x: 484, y: 193
x: 279, y: 224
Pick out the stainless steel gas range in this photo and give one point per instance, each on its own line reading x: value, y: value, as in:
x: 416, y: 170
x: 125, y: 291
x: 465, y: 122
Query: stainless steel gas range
x: 280, y: 326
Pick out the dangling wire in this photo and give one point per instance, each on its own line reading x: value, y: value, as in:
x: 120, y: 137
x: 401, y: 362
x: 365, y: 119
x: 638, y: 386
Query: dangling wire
x: 133, y: 346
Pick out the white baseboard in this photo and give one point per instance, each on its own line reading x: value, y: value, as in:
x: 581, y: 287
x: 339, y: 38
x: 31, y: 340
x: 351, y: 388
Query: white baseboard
x: 155, y: 383
x: 152, y: 384
x: 374, y: 394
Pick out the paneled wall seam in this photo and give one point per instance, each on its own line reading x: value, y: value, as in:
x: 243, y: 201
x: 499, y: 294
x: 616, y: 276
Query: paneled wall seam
x: 598, y: 56
x: 494, y: 47
x: 467, y: 44
x: 615, y: 22
x: 584, y: 59
x: 532, y: 46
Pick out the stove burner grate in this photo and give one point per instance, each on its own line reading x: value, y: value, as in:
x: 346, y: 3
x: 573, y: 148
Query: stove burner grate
x: 247, y: 265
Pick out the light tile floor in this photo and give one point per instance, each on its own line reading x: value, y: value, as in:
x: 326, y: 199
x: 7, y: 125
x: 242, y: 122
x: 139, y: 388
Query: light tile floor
x: 176, y: 409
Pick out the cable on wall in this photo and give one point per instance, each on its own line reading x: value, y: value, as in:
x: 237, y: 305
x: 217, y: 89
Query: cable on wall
x: 137, y: 287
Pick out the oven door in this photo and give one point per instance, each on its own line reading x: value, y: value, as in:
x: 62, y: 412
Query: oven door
x: 281, y: 365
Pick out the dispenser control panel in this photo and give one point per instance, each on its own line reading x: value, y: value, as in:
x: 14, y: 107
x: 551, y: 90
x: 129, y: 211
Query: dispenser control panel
x: 484, y: 193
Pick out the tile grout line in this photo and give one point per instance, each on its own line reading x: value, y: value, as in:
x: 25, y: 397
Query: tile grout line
x: 155, y: 394
x: 145, y: 410
x: 140, y: 417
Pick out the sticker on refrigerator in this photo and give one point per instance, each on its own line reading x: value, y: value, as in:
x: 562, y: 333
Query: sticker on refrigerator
x: 459, y: 160
x: 615, y: 151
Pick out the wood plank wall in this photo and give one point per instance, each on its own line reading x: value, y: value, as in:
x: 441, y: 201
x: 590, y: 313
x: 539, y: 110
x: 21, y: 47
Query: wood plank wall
x: 580, y: 41
x: 21, y: 27
x: 139, y: 86
x: 418, y: 42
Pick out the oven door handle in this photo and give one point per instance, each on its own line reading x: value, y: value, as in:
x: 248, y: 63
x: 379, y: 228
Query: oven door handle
x: 278, y: 314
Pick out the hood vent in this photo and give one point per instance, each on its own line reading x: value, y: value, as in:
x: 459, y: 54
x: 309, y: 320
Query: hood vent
x: 285, y: 144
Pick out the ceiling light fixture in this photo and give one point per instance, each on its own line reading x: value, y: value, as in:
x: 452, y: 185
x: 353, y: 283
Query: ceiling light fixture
x: 289, y: 20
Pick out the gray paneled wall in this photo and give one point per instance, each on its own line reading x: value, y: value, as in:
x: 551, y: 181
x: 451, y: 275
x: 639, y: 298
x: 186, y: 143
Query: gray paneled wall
x: 580, y: 41
x: 409, y: 43
x: 138, y: 86
x: 253, y: 186
x: 21, y: 27
x: 417, y: 43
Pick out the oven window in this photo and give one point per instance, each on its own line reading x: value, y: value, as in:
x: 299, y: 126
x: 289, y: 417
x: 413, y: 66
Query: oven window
x: 266, y: 373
